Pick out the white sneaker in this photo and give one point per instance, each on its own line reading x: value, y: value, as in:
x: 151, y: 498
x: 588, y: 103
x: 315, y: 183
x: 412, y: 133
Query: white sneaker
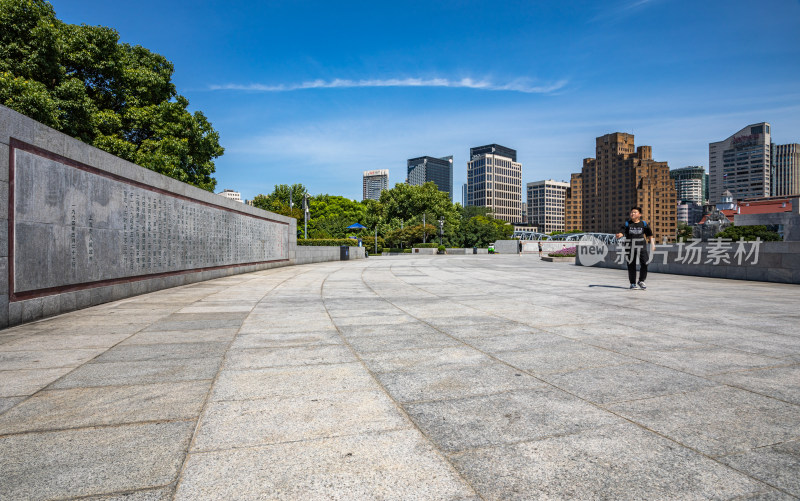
x: 642, y: 286
x: 633, y: 287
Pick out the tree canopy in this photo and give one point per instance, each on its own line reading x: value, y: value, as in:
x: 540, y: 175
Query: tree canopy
x: 118, y: 97
x: 398, y: 216
x: 749, y: 233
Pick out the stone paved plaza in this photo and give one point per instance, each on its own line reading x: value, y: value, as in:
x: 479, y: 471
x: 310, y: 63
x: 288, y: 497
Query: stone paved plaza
x: 438, y: 377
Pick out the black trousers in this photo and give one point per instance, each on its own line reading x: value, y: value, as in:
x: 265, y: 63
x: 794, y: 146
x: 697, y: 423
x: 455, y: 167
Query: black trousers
x: 637, y: 252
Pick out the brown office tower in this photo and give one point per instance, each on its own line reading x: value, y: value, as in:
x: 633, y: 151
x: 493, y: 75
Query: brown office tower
x: 573, y: 205
x: 620, y: 177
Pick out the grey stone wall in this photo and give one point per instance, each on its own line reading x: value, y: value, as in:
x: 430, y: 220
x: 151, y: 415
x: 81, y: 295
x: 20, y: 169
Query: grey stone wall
x: 81, y: 227
x: 771, y: 262
x: 307, y: 254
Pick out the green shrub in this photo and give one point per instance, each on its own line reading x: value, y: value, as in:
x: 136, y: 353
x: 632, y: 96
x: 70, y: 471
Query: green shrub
x: 321, y: 242
x: 441, y: 249
x: 426, y: 246
x: 406, y: 251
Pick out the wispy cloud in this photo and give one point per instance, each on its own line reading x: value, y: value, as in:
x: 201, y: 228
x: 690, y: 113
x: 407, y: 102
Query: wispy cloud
x: 519, y: 85
x: 620, y: 10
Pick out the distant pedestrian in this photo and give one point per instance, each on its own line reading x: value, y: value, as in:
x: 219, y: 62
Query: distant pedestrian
x: 519, y: 247
x: 636, y: 233
x: 540, y: 248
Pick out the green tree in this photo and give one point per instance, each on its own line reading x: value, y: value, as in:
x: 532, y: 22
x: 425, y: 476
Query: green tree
x: 409, y: 205
x: 280, y: 202
x: 749, y: 233
x: 331, y: 215
x: 480, y: 231
x: 82, y: 81
x: 684, y: 231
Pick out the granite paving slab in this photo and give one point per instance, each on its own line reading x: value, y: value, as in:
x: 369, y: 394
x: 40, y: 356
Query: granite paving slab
x: 613, y: 462
x: 28, y: 382
x: 396, y: 465
x: 248, y: 423
x: 169, y: 337
x: 140, y: 372
x: 604, y: 385
x: 62, y: 341
x: 406, y: 340
x: 782, y: 383
x: 369, y: 329
x: 710, y: 361
x: 88, y: 461
x: 82, y: 407
x: 256, y: 358
x: 778, y: 465
x: 561, y: 356
x: 9, y: 402
x: 435, y: 384
x: 716, y: 421
x: 313, y: 380
x: 286, y: 339
x: 46, y: 359
x: 505, y: 418
x: 449, y: 357
x: 162, y: 351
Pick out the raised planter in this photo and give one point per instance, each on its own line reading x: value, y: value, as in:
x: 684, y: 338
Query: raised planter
x: 559, y: 259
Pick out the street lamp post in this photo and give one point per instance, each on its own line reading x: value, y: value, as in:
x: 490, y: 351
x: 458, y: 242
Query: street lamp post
x: 441, y: 230
x: 305, y: 215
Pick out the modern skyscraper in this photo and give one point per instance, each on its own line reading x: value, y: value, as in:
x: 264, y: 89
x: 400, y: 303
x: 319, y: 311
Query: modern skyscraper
x: 785, y: 169
x: 741, y: 164
x: 375, y: 181
x: 546, y: 205
x: 494, y: 179
x: 690, y: 184
x: 437, y: 170
x: 619, y: 178
x: 464, y: 196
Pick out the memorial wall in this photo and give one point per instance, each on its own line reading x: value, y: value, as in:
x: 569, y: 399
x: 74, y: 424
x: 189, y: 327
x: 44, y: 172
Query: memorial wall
x: 83, y: 227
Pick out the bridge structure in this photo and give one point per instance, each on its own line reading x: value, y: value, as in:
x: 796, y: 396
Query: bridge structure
x: 606, y: 238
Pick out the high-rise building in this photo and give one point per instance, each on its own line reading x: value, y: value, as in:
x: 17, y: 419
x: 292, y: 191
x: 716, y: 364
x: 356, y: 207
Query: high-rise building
x: 690, y: 184
x: 233, y: 195
x: 573, y: 204
x: 689, y: 212
x: 741, y: 164
x: 621, y: 177
x: 546, y: 204
x: 375, y: 181
x: 785, y: 170
x: 464, y: 192
x: 431, y: 169
x: 494, y: 179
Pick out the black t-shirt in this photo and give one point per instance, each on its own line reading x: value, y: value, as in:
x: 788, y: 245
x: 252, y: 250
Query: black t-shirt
x: 633, y: 231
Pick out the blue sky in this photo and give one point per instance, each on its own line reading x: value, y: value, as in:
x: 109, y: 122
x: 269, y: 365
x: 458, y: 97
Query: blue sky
x: 318, y: 92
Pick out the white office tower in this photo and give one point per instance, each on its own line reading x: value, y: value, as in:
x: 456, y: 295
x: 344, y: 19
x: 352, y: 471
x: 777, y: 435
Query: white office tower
x: 494, y: 179
x: 375, y: 181
x: 546, y: 204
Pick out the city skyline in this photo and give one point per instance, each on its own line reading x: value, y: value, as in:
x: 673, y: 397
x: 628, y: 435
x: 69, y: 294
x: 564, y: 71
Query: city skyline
x: 316, y: 94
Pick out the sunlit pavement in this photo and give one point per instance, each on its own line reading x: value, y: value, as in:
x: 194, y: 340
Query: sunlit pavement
x: 438, y: 377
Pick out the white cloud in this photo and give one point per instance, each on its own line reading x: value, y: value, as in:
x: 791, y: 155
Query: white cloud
x: 519, y: 85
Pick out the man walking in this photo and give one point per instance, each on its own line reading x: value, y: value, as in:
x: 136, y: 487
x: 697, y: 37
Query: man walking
x: 636, y: 233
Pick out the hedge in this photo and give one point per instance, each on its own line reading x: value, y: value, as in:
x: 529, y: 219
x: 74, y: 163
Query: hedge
x: 426, y: 246
x: 321, y: 242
